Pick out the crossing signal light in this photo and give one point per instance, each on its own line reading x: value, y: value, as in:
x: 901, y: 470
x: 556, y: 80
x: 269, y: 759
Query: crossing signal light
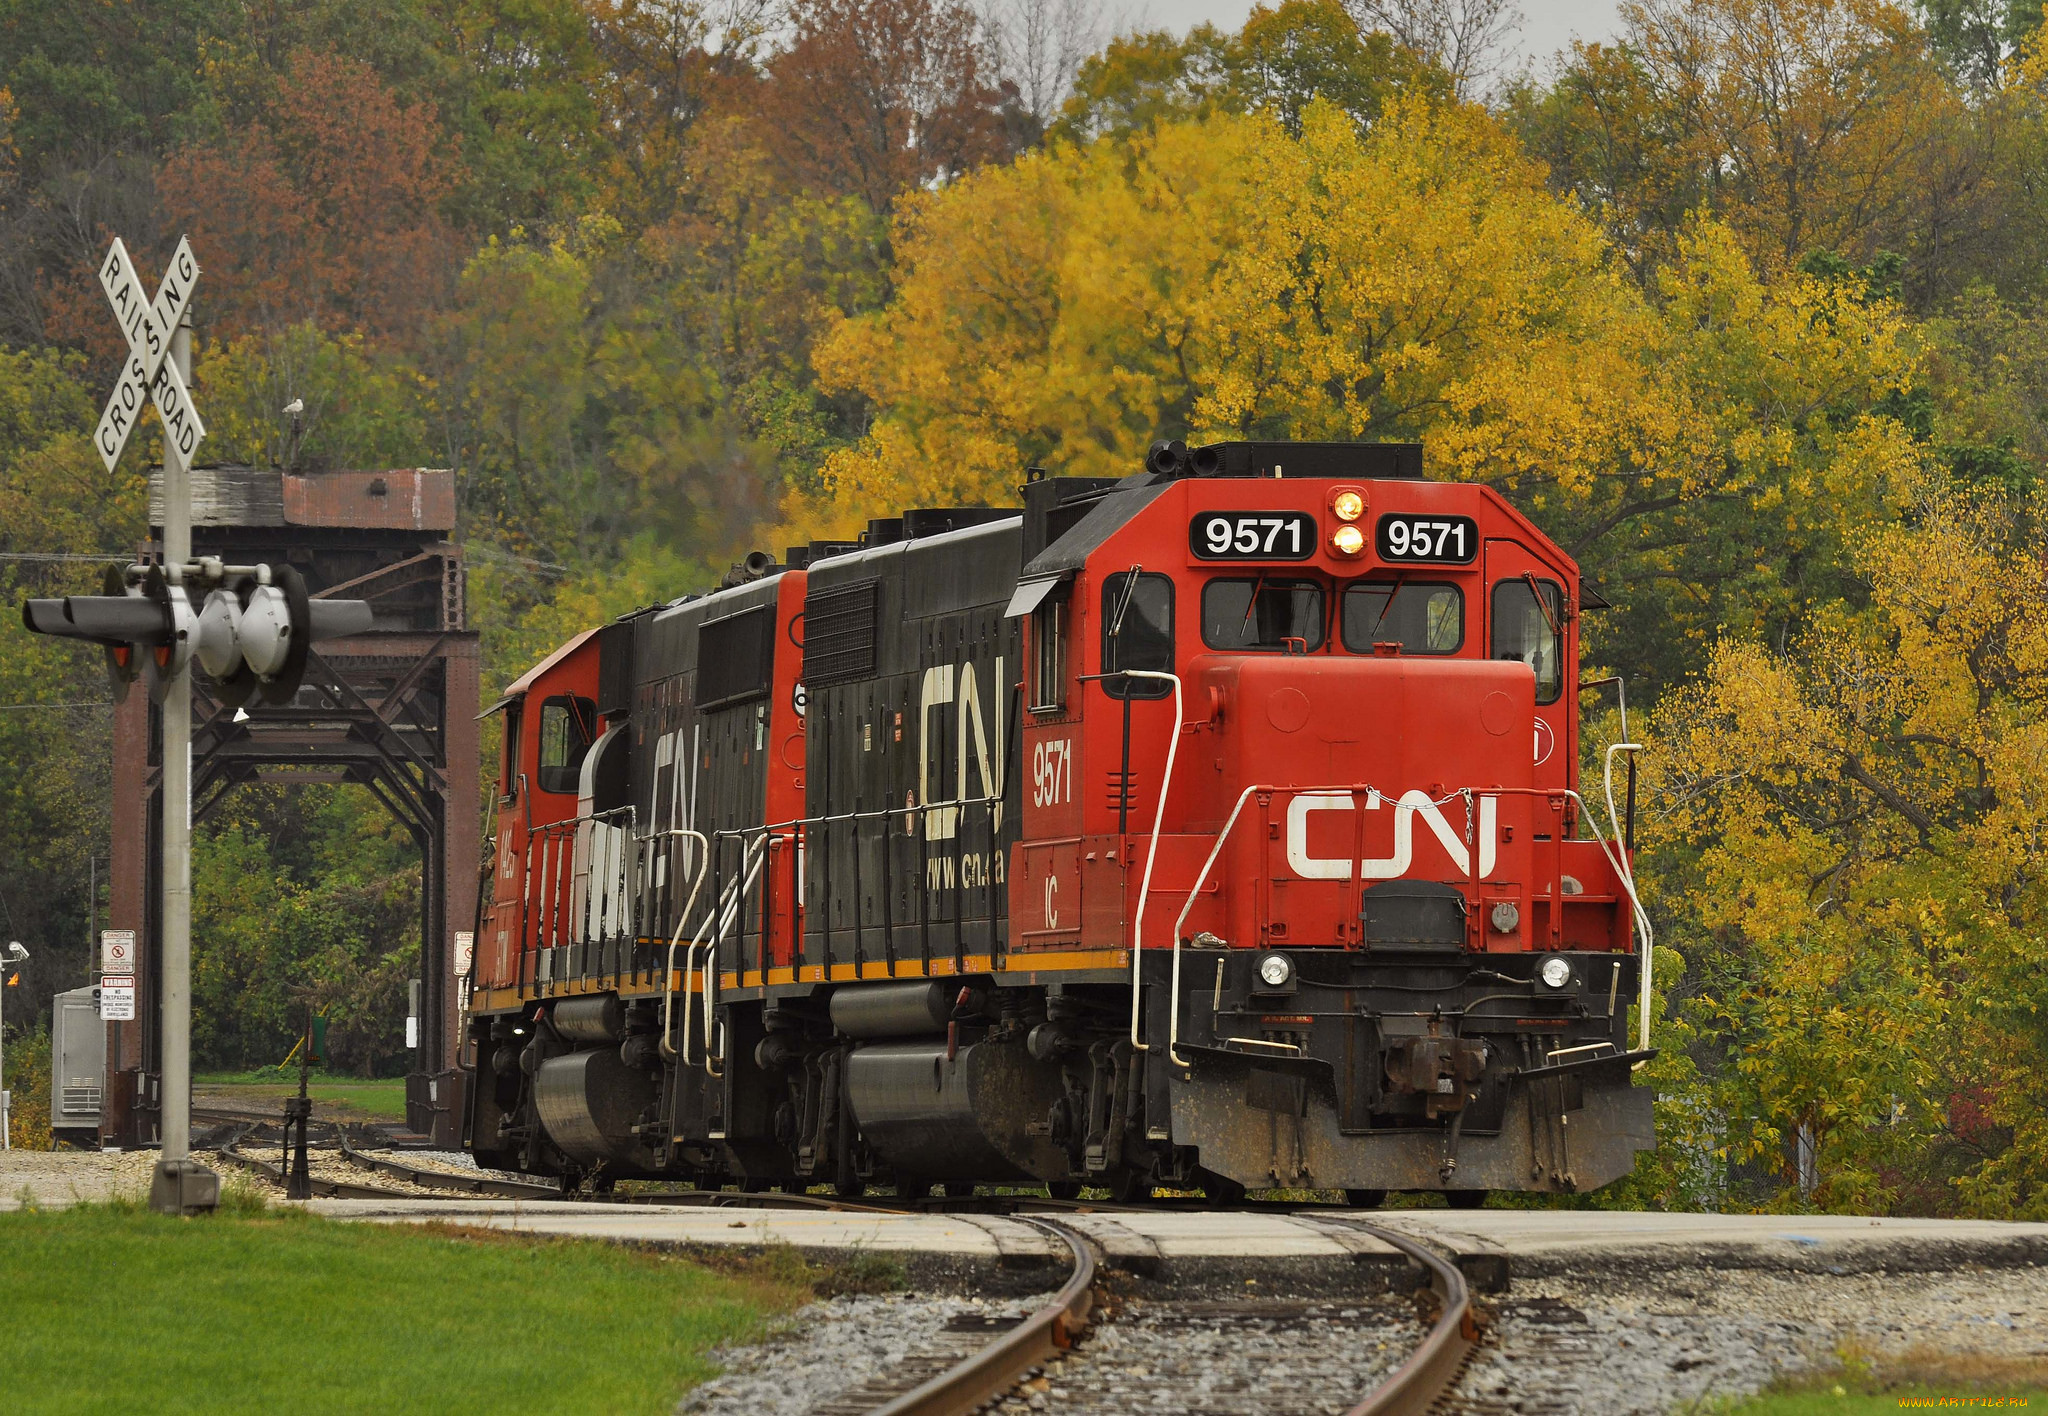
x: 251, y: 635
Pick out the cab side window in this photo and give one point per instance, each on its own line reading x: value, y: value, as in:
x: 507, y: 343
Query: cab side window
x: 568, y: 725
x: 508, y: 767
x: 1531, y: 630
x: 1137, y: 632
x: 1049, y: 654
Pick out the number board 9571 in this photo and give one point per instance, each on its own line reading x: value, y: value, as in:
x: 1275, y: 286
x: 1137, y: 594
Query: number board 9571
x: 1450, y: 540
x: 1252, y: 535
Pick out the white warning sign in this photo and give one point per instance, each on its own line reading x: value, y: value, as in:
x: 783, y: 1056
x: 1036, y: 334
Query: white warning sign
x: 117, y: 1000
x: 117, y: 951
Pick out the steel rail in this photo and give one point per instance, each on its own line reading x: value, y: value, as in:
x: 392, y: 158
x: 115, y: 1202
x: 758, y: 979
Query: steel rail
x: 230, y: 1150
x: 968, y: 1385
x: 429, y: 1179
x: 1415, y: 1386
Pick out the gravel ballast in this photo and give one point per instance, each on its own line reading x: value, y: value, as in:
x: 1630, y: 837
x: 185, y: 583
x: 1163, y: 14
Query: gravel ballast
x: 1590, y: 1343
x: 1602, y: 1345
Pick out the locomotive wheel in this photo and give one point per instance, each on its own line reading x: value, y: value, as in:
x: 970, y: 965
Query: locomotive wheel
x: 1365, y: 1199
x: 913, y: 1189
x: 959, y: 1189
x: 1063, y: 1189
x: 849, y: 1189
x: 754, y: 1185
x: 1465, y: 1199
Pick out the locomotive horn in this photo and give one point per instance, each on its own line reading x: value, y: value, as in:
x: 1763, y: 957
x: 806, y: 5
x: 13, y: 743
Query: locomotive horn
x: 1167, y: 458
x: 1205, y: 462
x: 756, y: 565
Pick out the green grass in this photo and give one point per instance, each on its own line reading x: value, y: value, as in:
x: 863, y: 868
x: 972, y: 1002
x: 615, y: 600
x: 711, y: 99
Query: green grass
x: 110, y: 1308
x: 381, y: 1096
x: 1863, y: 1384
x: 1850, y: 1403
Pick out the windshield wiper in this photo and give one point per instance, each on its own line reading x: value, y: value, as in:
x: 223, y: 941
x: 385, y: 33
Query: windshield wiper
x: 1393, y: 589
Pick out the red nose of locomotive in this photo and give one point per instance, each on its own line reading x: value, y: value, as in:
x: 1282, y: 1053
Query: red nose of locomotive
x: 1348, y: 774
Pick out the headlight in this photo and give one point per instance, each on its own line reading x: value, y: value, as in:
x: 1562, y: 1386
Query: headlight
x: 1349, y: 506
x: 1556, y: 972
x: 1347, y: 540
x: 1275, y: 970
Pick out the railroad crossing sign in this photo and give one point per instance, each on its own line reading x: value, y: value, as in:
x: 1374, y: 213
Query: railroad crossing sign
x: 149, y: 372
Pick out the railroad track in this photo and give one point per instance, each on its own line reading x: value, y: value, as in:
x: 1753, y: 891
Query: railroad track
x: 987, y: 1375
x: 231, y: 1151
x: 961, y: 1375
x: 1428, y: 1376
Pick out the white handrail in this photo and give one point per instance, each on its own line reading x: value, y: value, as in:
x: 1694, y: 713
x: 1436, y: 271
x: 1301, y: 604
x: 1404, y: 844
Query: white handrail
x: 682, y: 923
x: 715, y: 921
x: 1624, y: 868
x: 1152, y: 855
x: 1616, y: 857
x: 1173, y: 1000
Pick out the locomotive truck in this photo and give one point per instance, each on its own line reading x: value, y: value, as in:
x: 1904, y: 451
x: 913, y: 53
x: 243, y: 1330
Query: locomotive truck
x: 1217, y: 826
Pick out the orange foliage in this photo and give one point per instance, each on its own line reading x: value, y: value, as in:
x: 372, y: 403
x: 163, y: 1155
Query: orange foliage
x: 875, y: 97
x: 324, y: 208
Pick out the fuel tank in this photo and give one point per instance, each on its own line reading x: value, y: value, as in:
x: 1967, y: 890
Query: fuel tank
x: 589, y: 1103
x: 967, y: 1117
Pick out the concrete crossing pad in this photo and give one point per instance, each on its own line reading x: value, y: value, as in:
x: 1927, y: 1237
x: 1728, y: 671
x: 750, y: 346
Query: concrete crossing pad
x: 1528, y: 1241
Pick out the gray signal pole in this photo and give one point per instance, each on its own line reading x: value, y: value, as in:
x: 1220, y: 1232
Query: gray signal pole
x: 177, y: 780
x: 181, y: 1185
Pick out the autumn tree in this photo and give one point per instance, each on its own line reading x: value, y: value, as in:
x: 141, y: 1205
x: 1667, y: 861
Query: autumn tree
x: 1283, y: 59
x: 1039, y: 45
x: 1852, y: 828
x: 1804, y: 124
x: 325, y: 208
x: 873, y: 98
x: 666, y: 64
x: 1467, y: 39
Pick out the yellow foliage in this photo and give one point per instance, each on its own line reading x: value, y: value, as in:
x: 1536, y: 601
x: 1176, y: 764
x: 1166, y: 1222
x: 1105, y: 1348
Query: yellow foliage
x: 1859, y: 825
x: 1221, y: 278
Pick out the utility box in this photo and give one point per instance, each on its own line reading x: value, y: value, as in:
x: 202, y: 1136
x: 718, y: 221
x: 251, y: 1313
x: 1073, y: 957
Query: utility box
x: 78, y: 1068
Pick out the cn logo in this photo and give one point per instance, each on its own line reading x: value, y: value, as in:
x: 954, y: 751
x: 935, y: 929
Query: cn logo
x: 1052, y: 902
x: 1411, y: 805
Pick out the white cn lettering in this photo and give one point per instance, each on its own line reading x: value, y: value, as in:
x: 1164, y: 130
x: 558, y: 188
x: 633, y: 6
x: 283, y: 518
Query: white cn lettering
x: 935, y: 692
x: 1411, y: 805
x: 972, y: 727
x: 975, y: 734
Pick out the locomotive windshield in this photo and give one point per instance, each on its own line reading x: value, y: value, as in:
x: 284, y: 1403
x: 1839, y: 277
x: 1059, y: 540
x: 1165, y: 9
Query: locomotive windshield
x: 1260, y: 613
x: 1421, y: 617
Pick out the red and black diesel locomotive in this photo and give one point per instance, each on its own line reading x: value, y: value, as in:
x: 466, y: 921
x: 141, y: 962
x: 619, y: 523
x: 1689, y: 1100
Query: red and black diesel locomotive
x: 1216, y: 826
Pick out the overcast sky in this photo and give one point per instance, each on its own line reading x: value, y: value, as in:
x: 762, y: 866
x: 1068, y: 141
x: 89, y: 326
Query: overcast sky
x: 1547, y: 25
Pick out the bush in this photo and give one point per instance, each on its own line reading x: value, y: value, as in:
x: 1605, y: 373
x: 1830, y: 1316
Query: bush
x: 28, y: 1077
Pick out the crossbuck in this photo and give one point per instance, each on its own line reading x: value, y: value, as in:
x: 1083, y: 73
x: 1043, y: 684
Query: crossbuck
x: 148, y: 372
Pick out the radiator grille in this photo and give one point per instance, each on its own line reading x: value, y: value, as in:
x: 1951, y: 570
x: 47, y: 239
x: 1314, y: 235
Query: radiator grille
x: 735, y: 658
x: 841, y: 631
